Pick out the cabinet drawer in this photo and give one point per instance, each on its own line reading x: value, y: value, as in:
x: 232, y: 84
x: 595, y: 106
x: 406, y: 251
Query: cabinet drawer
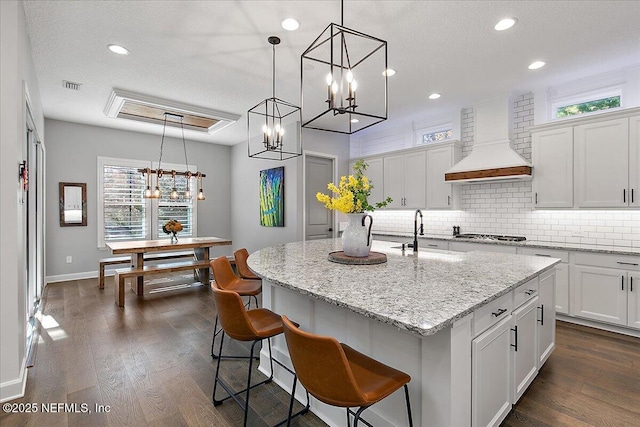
x: 623, y: 262
x: 496, y: 310
x: 525, y: 292
x: 433, y: 244
x: 553, y: 253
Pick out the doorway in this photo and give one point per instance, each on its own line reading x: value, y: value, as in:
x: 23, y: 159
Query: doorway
x: 319, y: 221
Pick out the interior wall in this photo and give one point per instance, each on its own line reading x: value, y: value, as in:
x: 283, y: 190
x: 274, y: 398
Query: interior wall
x: 72, y: 151
x: 245, y: 173
x: 17, y: 72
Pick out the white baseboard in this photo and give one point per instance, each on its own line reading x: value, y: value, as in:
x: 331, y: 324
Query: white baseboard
x: 14, y: 389
x: 74, y: 276
x: 598, y: 325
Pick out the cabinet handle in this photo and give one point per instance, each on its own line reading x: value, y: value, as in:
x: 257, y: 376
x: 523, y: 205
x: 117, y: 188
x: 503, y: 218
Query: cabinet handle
x: 500, y: 312
x: 530, y: 292
x: 631, y: 284
x: 433, y: 245
x: 448, y: 200
x: 624, y: 195
x: 515, y: 346
x: 622, y: 281
x: 536, y: 198
x: 549, y: 256
x: 632, y: 195
x: 628, y: 263
x: 541, y: 308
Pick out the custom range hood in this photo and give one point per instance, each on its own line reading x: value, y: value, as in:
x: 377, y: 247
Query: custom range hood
x: 492, y: 157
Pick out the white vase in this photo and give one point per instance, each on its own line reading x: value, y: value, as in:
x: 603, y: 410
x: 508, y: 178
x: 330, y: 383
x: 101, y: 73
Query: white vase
x: 356, y: 238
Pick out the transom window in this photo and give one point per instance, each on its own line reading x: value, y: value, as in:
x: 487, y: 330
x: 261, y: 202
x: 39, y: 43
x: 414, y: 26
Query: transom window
x: 588, y: 106
x: 124, y: 213
x: 437, y: 136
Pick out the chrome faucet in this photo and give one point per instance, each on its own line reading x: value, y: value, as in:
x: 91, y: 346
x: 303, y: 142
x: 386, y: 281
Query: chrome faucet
x: 415, y: 229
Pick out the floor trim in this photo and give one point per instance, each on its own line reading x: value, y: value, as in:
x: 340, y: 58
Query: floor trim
x: 14, y: 389
x: 598, y: 325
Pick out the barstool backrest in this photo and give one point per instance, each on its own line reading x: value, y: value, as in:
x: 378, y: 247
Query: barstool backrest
x: 232, y: 314
x: 322, y: 367
x: 222, y: 272
x: 241, y: 256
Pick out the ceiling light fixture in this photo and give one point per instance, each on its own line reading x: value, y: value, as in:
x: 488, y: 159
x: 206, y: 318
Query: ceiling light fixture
x: 120, y: 50
x: 434, y: 96
x: 537, y: 64
x: 389, y: 72
x: 267, y: 122
x: 290, y: 24
x: 505, y: 24
x: 345, y: 60
x: 148, y: 172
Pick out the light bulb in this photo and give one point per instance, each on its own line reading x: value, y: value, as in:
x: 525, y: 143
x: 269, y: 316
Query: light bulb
x: 201, y: 195
x: 349, y: 76
x: 156, y: 193
x: 329, y: 79
x: 281, y: 131
x: 354, y: 85
x: 265, y: 128
x: 147, y: 192
x: 174, y: 194
x: 187, y: 194
x: 334, y: 87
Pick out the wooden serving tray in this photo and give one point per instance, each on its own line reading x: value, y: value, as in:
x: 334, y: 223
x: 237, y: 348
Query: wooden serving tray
x: 371, y: 259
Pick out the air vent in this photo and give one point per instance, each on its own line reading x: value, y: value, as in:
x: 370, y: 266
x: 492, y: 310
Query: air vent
x: 71, y: 85
x: 143, y: 108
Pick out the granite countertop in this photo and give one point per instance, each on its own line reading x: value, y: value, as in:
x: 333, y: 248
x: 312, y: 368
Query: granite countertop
x: 421, y: 293
x: 607, y: 249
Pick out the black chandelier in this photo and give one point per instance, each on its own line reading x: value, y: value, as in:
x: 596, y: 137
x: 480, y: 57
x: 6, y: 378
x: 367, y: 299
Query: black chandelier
x: 273, y: 121
x: 159, y: 172
x: 339, y: 64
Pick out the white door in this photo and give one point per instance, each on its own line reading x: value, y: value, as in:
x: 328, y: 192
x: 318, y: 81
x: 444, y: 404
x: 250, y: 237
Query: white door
x: 552, y: 158
x: 634, y: 300
x: 439, y: 192
x: 415, y: 180
x: 319, y: 220
x: 525, y: 349
x: 602, y: 164
x: 394, y: 180
x: 599, y: 294
x: 491, y: 375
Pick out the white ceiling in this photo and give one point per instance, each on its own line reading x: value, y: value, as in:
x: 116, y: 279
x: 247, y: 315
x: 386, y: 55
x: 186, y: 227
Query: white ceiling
x: 215, y: 54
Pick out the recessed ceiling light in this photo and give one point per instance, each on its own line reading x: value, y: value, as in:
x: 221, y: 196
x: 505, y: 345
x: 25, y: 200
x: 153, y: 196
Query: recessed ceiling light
x: 290, y: 24
x: 120, y: 50
x: 389, y: 72
x: 505, y: 24
x: 354, y: 120
x: 434, y: 96
x: 537, y: 64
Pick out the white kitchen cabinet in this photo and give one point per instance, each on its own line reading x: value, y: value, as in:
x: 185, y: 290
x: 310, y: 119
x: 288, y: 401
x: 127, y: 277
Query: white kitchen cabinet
x: 375, y: 173
x: 486, y: 247
x: 633, y: 312
x: 602, y: 164
x: 562, y: 274
x: 552, y: 158
x: 404, y: 179
x: 525, y: 348
x: 634, y: 161
x: 546, y: 316
x: 441, y: 194
x: 491, y: 376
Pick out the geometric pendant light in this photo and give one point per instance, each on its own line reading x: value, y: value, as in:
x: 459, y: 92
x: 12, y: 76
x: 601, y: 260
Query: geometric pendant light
x: 343, y: 80
x: 273, y: 126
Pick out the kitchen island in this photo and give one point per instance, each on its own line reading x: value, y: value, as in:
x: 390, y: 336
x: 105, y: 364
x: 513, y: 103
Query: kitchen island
x: 450, y: 320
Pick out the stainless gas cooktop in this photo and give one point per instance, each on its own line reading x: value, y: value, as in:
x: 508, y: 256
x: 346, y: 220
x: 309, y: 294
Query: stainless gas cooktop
x: 491, y: 237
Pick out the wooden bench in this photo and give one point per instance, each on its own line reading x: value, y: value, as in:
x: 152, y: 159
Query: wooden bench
x: 148, y: 270
x: 126, y: 259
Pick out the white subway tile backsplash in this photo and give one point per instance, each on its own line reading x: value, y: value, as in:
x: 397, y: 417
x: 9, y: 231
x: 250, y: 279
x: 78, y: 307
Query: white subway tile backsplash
x: 506, y: 207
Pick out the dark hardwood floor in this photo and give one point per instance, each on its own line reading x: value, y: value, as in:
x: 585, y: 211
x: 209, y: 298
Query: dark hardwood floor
x: 150, y: 362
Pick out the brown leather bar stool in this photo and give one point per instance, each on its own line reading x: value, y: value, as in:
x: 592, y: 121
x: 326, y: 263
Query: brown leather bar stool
x: 338, y: 375
x: 241, y: 256
x: 226, y: 279
x: 247, y: 325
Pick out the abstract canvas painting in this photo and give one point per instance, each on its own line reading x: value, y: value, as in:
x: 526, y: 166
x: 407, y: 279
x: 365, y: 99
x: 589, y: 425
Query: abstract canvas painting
x: 272, y: 197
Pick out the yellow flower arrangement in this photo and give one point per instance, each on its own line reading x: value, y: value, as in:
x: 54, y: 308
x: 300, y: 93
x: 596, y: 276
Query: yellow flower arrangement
x: 352, y: 192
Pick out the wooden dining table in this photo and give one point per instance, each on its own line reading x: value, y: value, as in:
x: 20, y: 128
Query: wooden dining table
x: 137, y: 249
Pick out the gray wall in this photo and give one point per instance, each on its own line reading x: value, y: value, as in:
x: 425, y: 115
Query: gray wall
x: 17, y: 71
x: 245, y: 172
x: 72, y: 151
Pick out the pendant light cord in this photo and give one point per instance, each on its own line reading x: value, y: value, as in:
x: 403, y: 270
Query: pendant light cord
x: 273, y: 71
x: 184, y: 146
x: 342, y: 13
x: 164, y: 128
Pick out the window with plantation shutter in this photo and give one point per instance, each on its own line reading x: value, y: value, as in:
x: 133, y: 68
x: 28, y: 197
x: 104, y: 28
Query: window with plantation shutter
x: 124, y: 213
